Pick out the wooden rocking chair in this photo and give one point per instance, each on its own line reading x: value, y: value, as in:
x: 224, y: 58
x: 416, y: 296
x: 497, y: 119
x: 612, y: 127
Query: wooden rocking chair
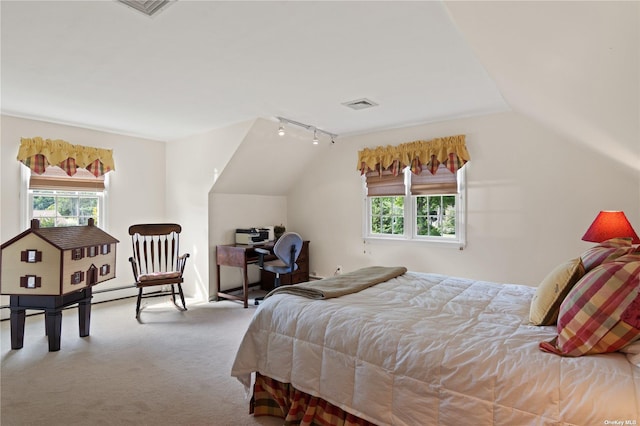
x: 156, y: 259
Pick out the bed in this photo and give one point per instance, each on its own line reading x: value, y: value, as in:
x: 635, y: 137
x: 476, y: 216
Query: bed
x: 428, y: 349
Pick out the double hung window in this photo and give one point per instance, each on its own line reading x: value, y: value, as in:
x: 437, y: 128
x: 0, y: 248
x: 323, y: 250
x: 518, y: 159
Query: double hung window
x: 420, y: 208
x: 415, y: 191
x: 56, y: 199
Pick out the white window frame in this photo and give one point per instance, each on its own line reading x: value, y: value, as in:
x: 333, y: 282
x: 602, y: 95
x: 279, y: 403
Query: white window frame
x: 410, y: 210
x: 26, y: 197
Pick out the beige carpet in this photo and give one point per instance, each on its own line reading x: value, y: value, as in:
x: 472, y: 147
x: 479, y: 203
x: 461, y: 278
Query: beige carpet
x: 171, y: 369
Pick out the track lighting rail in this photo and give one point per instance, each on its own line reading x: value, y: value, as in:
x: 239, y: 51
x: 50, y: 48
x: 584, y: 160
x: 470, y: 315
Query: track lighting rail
x: 315, y: 130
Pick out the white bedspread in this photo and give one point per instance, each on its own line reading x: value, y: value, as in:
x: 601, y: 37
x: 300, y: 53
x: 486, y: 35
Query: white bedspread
x: 426, y: 349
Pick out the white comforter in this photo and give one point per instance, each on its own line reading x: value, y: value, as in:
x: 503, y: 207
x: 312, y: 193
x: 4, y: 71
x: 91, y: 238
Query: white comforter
x: 426, y: 349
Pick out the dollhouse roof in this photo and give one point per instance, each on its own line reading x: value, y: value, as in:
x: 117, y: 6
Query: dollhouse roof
x: 67, y: 237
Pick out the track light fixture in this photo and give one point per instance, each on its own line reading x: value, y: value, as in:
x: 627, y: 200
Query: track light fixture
x: 315, y: 140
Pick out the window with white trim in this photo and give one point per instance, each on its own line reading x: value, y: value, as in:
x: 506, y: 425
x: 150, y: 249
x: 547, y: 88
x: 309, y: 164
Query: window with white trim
x: 56, y: 199
x: 425, y: 207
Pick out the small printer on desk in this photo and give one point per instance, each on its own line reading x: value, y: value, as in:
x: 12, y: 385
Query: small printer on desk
x: 252, y: 236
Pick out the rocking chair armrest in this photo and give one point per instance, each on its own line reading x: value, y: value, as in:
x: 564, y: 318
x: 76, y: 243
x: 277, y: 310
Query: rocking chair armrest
x: 134, y: 268
x: 182, y: 261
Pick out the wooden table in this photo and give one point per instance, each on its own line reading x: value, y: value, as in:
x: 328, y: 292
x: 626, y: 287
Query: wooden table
x: 238, y: 255
x: 52, y: 306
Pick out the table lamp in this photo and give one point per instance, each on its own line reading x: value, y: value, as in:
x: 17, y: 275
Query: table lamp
x: 610, y: 224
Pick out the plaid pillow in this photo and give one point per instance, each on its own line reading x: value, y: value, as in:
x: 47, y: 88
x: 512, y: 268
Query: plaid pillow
x: 600, y: 314
x: 630, y: 257
x: 606, y: 251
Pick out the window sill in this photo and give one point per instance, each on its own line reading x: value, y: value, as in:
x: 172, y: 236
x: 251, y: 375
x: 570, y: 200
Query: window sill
x: 460, y: 245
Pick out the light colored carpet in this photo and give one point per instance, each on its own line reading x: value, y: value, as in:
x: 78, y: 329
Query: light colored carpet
x: 171, y: 369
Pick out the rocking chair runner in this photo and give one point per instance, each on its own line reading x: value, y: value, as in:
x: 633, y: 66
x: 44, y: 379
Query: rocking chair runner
x: 156, y: 259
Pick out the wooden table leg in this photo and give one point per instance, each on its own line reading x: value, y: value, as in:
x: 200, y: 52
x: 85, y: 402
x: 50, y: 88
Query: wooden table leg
x: 84, y: 317
x: 17, y: 328
x: 53, y: 320
x: 218, y: 290
x: 245, y: 286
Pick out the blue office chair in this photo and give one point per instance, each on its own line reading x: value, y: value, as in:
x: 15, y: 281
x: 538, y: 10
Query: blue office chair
x: 287, y: 249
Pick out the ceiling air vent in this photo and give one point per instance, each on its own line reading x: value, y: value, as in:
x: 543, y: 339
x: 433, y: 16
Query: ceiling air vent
x: 148, y: 7
x: 360, y: 104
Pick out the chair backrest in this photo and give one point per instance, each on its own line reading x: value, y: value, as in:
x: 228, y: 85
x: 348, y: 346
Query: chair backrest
x: 282, y: 247
x: 156, y: 247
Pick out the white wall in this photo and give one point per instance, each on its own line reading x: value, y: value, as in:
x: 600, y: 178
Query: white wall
x: 136, y: 187
x: 193, y: 164
x: 531, y: 196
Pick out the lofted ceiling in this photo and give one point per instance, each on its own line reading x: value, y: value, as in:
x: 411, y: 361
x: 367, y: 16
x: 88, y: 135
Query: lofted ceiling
x: 202, y: 65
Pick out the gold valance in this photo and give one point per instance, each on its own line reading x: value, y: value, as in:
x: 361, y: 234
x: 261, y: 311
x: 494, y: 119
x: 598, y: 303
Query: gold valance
x: 450, y: 151
x: 37, y: 154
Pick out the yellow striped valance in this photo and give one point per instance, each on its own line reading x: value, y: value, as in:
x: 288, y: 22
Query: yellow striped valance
x: 37, y: 154
x: 450, y: 151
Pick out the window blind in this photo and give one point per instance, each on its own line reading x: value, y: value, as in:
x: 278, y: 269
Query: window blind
x: 443, y: 182
x: 384, y: 185
x: 56, y: 178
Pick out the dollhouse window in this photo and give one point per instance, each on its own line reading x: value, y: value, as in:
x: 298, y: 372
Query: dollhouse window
x: 31, y: 256
x: 92, y: 251
x: 30, y: 281
x: 77, y: 254
x: 105, y: 269
x: 105, y: 249
x: 77, y: 277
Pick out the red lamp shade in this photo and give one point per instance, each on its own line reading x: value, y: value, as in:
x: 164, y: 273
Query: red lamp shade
x: 610, y: 224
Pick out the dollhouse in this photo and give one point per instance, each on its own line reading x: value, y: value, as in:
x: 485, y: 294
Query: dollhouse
x: 56, y: 261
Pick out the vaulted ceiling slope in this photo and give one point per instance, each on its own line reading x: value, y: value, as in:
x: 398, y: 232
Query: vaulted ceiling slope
x: 572, y: 65
x: 203, y: 65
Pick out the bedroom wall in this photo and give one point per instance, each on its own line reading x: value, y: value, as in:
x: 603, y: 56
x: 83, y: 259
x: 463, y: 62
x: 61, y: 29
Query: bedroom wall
x: 193, y: 165
x: 136, y: 188
x: 532, y: 193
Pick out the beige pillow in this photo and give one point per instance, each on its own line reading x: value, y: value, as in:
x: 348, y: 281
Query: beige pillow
x: 549, y: 295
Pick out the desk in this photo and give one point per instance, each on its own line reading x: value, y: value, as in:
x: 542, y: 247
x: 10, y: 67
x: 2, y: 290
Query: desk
x: 241, y: 256
x: 238, y: 255
x: 52, y: 305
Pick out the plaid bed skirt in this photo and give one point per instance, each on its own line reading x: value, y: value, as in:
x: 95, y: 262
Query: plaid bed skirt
x: 274, y: 398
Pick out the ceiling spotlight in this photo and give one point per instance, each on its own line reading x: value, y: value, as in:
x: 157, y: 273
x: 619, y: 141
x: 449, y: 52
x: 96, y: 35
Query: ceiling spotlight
x: 315, y: 137
x: 281, y: 130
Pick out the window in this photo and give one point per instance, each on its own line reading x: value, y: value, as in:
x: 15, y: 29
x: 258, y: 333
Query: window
x: 387, y: 215
x: 56, y: 199
x: 105, y: 269
x: 30, y: 281
x: 65, y: 208
x: 423, y: 207
x: 31, y: 256
x: 77, y: 253
x: 77, y: 277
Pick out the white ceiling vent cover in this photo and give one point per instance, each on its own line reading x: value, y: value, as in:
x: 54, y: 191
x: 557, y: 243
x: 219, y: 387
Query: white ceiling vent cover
x: 358, y: 104
x: 148, y: 7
